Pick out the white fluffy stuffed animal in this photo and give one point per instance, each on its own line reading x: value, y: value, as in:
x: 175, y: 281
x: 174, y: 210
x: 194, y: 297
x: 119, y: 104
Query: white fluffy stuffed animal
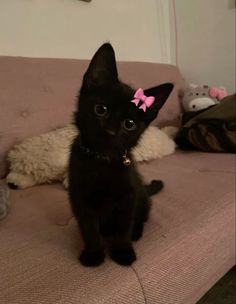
x: 44, y: 158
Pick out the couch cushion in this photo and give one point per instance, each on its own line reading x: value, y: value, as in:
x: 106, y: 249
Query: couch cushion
x: 188, y: 244
x: 37, y: 95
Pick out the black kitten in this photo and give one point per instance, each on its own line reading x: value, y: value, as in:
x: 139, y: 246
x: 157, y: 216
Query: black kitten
x: 107, y: 195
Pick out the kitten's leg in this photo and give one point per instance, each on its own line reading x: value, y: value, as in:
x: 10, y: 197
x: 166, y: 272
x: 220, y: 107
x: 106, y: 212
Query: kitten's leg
x: 141, y: 216
x: 137, y: 232
x: 93, y: 252
x: 108, y: 228
x: 122, y: 251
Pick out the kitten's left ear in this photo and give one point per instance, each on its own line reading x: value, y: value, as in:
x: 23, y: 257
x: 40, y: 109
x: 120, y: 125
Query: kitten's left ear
x: 102, y: 69
x: 161, y: 94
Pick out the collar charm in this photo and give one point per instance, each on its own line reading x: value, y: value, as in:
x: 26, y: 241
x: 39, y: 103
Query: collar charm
x: 126, y: 159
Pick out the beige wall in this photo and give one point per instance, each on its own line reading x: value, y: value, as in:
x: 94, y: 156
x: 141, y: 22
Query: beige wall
x: 142, y: 30
x: 74, y: 29
x: 206, y: 41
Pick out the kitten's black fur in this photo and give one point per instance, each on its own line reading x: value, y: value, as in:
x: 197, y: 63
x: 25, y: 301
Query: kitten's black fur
x: 107, y: 197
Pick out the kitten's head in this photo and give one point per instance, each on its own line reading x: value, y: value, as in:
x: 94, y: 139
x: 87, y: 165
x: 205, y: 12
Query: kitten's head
x: 107, y: 119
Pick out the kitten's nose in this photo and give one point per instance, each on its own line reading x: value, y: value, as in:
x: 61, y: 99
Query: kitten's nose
x: 111, y: 132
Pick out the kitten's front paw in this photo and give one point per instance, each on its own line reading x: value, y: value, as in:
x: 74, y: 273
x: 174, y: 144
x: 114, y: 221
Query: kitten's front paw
x: 123, y: 255
x: 92, y: 258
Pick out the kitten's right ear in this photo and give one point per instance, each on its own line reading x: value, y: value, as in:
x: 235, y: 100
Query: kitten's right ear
x: 161, y: 94
x: 102, y: 68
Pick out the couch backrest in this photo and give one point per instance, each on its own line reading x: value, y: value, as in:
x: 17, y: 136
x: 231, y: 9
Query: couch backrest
x: 38, y: 95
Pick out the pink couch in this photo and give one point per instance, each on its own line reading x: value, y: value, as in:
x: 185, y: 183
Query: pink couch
x: 188, y: 242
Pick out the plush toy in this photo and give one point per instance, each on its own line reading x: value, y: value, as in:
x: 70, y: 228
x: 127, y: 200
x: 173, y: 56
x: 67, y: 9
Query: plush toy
x: 4, y: 200
x: 197, y: 98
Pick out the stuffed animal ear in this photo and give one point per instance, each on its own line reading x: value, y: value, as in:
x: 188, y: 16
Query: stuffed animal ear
x: 161, y: 94
x: 102, y: 68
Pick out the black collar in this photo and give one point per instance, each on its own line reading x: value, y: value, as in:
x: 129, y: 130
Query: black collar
x: 101, y: 156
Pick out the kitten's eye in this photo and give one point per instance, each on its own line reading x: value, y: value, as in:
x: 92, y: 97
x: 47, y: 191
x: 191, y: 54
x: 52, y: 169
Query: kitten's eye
x: 129, y: 125
x: 100, y: 110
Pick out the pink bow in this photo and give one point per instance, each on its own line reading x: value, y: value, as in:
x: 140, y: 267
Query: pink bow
x: 147, y: 100
x: 218, y: 93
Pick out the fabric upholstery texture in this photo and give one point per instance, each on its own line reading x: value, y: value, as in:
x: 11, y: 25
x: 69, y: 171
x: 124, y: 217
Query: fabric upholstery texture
x: 188, y: 243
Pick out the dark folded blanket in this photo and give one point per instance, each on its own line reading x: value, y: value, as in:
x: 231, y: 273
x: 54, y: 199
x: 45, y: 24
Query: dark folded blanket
x: 210, y: 130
